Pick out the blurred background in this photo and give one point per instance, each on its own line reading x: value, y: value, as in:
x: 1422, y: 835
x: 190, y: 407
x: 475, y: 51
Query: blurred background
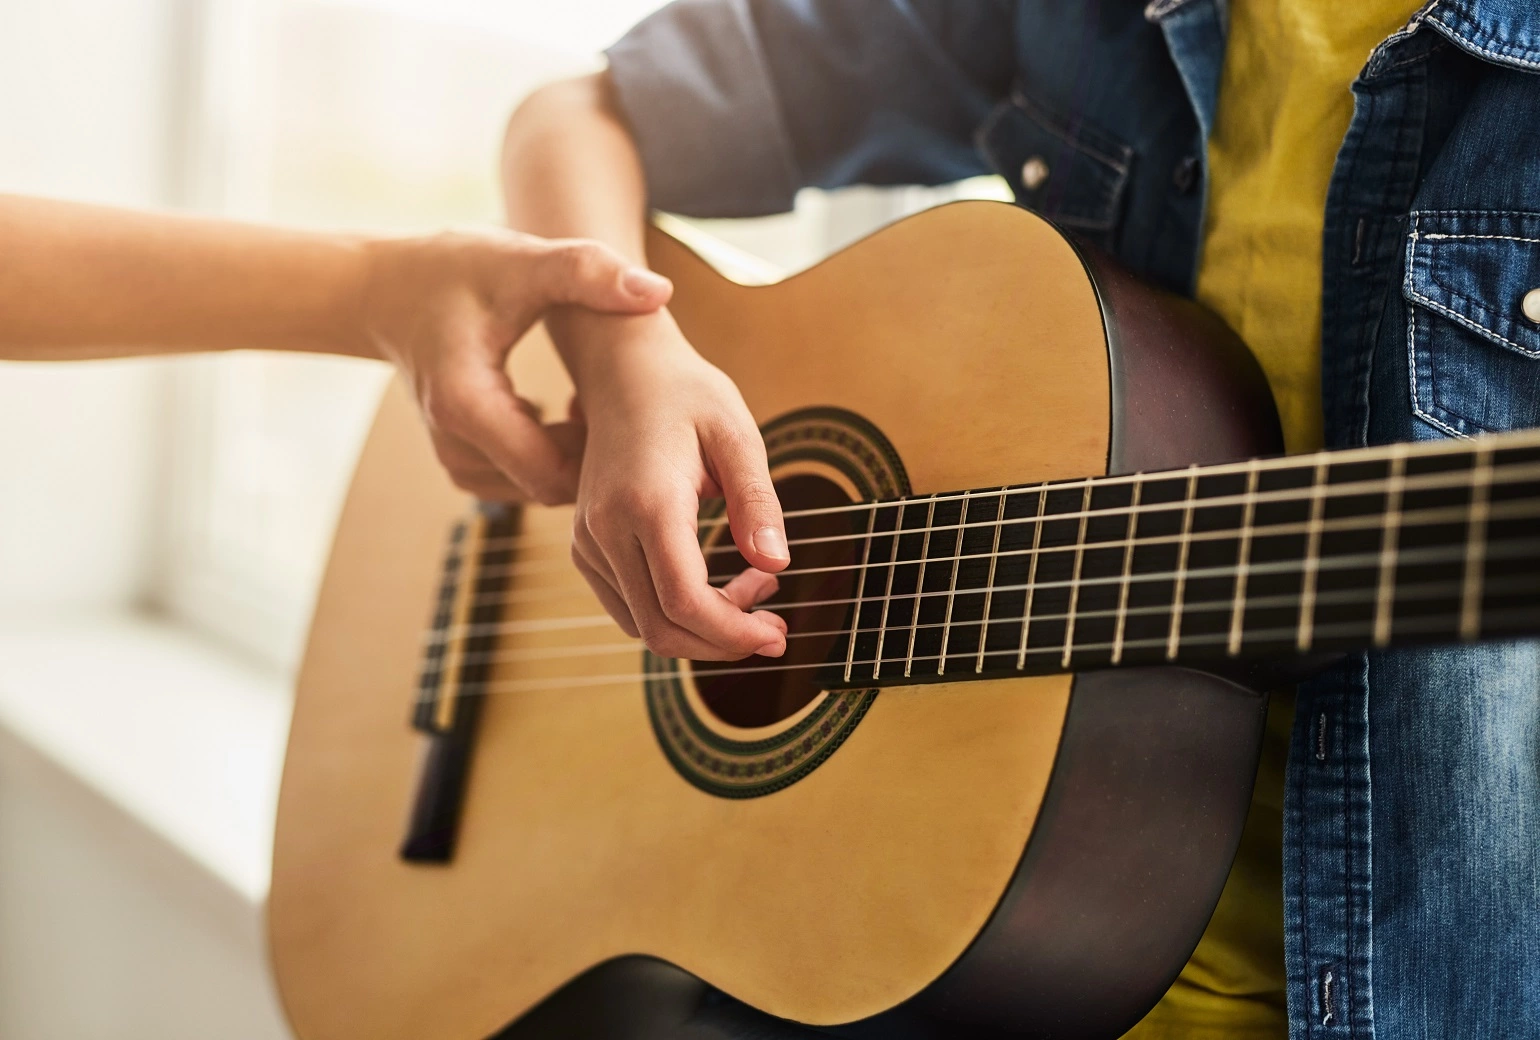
x: 163, y: 524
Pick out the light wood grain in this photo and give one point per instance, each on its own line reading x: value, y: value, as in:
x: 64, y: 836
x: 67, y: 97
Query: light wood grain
x: 971, y: 337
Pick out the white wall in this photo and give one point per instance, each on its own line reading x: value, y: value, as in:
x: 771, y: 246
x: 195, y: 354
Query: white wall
x: 111, y: 934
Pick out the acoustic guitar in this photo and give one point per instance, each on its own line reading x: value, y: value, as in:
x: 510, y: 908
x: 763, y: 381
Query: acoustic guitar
x: 1038, y: 578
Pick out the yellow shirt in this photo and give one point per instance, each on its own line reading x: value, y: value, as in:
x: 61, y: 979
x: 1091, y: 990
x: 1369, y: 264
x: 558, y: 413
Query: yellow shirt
x: 1284, y: 107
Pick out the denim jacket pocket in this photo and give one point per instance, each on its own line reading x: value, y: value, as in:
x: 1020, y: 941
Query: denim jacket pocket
x: 1474, y: 356
x: 1072, y: 173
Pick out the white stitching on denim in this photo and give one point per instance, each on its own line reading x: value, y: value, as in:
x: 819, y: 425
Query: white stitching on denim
x: 1476, y: 213
x: 1410, y: 288
x: 1474, y: 326
x: 1506, y: 238
x: 1489, y: 52
x: 1411, y: 357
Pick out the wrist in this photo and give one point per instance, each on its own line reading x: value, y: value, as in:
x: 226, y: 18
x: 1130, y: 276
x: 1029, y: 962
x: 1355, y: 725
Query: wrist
x: 600, y: 350
x: 361, y: 323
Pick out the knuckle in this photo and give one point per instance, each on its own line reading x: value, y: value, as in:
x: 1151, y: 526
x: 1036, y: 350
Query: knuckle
x: 669, y: 645
x: 756, y: 493
x: 603, y: 521
x: 678, y: 601
x: 582, y: 260
x: 623, y: 511
x: 584, y: 540
x: 446, y: 408
x: 656, y: 634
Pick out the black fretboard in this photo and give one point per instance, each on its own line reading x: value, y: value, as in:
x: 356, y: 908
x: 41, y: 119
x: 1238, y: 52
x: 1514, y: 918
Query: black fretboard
x: 1436, y: 542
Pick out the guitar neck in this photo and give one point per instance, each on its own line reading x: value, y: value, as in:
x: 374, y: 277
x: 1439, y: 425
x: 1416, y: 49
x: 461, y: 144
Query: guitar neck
x: 1435, y: 542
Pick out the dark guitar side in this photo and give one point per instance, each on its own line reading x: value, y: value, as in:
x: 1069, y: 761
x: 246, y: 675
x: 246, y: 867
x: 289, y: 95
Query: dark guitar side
x: 1153, y: 779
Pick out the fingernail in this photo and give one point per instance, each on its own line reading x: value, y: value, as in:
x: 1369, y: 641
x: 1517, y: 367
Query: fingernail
x: 638, y: 281
x: 772, y: 543
x: 775, y: 649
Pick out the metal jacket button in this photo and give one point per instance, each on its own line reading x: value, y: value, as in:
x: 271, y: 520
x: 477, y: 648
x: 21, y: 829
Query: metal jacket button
x: 1033, y: 173
x: 1532, y: 305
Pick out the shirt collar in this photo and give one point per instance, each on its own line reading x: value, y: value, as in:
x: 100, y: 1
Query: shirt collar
x: 1505, y: 32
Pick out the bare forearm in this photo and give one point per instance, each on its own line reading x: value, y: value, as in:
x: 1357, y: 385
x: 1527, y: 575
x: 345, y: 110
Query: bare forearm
x: 571, y: 168
x: 81, y: 281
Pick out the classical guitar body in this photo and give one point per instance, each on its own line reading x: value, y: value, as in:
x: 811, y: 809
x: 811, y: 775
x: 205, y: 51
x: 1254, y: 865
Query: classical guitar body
x: 1031, y: 854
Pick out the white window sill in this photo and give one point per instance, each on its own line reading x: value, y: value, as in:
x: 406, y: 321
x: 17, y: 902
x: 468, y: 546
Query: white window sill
x: 184, y: 737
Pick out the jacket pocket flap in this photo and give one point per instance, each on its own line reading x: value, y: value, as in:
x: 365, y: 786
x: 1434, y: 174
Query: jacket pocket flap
x: 1475, y: 268
x: 1066, y: 170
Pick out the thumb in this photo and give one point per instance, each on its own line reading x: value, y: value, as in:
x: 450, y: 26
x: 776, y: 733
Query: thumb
x: 594, y: 276
x: 753, y: 509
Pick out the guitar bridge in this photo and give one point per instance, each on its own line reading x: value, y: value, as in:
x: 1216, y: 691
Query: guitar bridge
x: 455, y: 665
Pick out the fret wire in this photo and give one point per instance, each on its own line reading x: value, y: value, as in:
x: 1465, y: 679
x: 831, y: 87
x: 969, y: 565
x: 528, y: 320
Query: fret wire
x: 1131, y: 538
x: 1475, y: 543
x: 1037, y: 541
x: 887, y: 592
x: 1074, y: 588
x: 951, y: 591
x: 1427, y: 514
x: 1180, y: 586
x: 1389, y: 541
x: 989, y: 581
x: 1312, y: 561
x: 1242, y: 559
x: 855, y: 612
x: 919, y: 587
x: 1345, y: 560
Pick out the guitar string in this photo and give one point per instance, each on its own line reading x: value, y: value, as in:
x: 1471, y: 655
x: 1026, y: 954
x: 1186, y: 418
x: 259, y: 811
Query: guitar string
x: 1341, y: 597
x: 1355, y: 561
x: 1426, y: 516
x: 1251, y: 637
x: 1518, y: 547
x: 1421, y: 625
x: 1520, y: 510
x: 1512, y: 473
x: 1381, y: 453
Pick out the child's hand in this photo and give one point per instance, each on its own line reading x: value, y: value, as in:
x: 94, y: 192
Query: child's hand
x: 447, y: 309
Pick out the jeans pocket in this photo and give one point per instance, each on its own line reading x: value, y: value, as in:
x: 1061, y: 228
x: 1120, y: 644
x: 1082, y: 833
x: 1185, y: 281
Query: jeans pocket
x: 1474, y: 352
x: 1060, y: 166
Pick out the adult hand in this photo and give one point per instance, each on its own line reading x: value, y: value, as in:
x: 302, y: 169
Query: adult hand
x: 665, y: 430
x: 447, y: 309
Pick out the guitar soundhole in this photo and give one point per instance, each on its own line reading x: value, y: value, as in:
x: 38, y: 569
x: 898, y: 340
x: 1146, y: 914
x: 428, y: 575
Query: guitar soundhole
x: 771, y: 692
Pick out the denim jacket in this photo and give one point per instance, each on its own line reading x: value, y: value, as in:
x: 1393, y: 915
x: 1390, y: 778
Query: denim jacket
x: 1412, y: 808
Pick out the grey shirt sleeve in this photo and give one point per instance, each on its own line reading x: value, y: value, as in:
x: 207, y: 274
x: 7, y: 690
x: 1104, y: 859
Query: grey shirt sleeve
x: 736, y: 104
